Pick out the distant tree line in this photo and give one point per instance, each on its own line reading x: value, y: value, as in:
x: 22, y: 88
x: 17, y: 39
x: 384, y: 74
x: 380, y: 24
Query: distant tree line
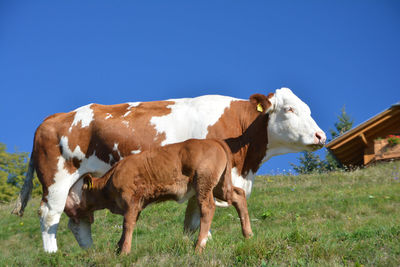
x: 310, y: 162
x: 13, y: 167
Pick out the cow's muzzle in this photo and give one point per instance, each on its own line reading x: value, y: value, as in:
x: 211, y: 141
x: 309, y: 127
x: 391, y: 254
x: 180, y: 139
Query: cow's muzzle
x: 320, y: 138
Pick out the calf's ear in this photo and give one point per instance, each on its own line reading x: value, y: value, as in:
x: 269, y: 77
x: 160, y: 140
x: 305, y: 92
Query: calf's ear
x: 87, y: 182
x: 261, y: 102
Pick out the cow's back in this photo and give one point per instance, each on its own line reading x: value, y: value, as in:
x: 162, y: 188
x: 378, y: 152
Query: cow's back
x: 105, y: 134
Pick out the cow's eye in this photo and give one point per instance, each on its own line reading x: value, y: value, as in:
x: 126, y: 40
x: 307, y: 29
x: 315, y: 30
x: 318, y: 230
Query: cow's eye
x: 290, y: 109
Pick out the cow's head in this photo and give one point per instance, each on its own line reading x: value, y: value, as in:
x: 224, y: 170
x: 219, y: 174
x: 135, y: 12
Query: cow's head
x: 291, y: 127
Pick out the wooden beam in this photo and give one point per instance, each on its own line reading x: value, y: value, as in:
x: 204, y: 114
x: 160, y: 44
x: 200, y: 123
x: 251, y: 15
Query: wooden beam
x: 363, y: 139
x: 368, y: 158
x: 389, y: 128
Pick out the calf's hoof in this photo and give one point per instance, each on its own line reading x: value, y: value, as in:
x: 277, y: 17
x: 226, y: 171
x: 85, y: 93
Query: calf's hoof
x: 199, y: 249
x: 122, y: 251
x: 248, y: 235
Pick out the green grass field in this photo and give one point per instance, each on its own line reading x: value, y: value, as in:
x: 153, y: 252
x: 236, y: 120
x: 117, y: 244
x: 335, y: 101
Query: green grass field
x: 335, y: 219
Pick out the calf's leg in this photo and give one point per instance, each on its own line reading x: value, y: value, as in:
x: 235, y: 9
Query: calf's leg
x: 130, y: 218
x: 240, y: 203
x: 207, y: 209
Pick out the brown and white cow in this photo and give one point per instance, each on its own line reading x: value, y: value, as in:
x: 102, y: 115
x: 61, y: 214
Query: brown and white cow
x: 193, y: 168
x: 94, y: 137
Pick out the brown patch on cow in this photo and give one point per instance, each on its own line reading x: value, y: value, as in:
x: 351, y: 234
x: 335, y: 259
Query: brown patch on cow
x: 137, y: 134
x: 250, y: 148
x: 245, y: 130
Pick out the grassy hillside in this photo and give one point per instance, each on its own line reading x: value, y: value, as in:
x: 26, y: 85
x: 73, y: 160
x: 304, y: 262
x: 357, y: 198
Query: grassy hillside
x: 330, y: 219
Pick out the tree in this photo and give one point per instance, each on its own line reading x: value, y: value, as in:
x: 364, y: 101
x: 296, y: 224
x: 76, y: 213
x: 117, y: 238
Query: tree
x: 310, y: 162
x: 13, y: 167
x: 343, y: 124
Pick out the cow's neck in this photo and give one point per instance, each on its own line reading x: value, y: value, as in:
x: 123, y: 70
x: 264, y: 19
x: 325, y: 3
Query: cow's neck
x: 249, y: 148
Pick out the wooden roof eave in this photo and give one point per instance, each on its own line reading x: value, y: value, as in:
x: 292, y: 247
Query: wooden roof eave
x: 362, y: 128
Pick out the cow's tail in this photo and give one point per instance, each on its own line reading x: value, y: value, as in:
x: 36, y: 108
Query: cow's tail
x: 26, y: 190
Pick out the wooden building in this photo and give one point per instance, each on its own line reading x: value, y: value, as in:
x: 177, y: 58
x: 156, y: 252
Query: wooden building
x: 367, y: 142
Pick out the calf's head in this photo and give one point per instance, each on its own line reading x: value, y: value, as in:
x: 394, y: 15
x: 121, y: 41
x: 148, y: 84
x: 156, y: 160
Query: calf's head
x: 290, y: 127
x: 76, y: 206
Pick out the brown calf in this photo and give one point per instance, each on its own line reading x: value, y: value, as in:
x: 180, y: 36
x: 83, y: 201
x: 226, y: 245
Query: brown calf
x: 200, y: 168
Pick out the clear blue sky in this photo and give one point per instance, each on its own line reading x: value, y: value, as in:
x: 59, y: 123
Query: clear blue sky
x: 58, y: 55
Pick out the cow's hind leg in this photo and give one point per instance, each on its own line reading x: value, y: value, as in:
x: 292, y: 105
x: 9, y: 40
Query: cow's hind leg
x: 240, y: 203
x: 207, y: 209
x: 192, y: 216
x: 51, y: 208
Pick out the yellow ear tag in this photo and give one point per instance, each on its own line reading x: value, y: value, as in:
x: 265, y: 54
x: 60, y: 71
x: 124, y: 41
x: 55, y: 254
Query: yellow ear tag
x: 90, y: 184
x: 260, y: 108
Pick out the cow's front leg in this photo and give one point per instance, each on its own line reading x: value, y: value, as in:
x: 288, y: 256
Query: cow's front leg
x: 51, y: 208
x: 240, y: 203
x: 82, y: 231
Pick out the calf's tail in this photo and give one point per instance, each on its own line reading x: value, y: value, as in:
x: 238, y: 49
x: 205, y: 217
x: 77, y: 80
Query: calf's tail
x: 26, y: 191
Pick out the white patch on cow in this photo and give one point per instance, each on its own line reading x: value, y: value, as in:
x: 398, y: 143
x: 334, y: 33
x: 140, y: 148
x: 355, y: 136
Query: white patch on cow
x: 135, y: 151
x: 66, y: 151
x: 108, y: 116
x: 84, y: 115
x: 246, y: 183
x: 93, y: 165
x: 63, y: 181
x: 48, y: 234
x: 115, y: 148
x: 126, y: 123
x: 133, y: 104
x: 220, y: 203
x: 127, y: 113
x: 49, y: 242
x: 190, y: 117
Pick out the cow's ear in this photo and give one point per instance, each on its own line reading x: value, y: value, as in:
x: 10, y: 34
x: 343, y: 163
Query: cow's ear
x: 261, y: 102
x: 87, y: 182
